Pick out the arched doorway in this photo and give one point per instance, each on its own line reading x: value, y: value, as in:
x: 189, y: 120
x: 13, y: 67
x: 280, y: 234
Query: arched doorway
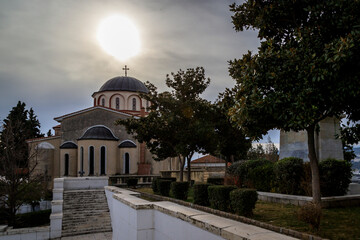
x: 91, y: 160
x: 127, y: 163
x: 66, y: 162
x: 102, y: 160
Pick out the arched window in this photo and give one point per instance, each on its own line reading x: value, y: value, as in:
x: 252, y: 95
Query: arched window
x: 66, y: 163
x: 91, y: 161
x: 103, y: 102
x: 117, y: 103
x: 81, y: 161
x: 102, y: 160
x: 134, y: 104
x: 127, y: 163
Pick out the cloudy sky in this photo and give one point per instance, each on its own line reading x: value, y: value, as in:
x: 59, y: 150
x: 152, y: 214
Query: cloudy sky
x: 51, y: 60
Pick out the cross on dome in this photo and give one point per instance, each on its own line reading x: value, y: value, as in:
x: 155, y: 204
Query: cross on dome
x: 125, y: 69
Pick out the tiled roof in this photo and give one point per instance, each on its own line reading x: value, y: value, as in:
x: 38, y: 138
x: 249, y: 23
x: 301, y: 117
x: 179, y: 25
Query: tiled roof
x: 208, y: 159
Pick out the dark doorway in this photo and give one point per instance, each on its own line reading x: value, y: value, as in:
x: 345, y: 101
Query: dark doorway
x: 102, y: 161
x: 66, y: 173
x: 127, y: 163
x: 91, y: 161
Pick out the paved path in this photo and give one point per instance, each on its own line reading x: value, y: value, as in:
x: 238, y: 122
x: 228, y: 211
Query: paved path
x: 92, y: 236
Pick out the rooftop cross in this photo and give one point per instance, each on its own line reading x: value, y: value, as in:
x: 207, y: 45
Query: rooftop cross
x: 125, y: 69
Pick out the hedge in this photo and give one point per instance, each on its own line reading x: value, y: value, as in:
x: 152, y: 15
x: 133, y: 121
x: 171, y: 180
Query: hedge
x: 132, y: 182
x: 180, y: 190
x: 219, y: 197
x: 215, y: 181
x: 164, y: 187
x: 243, y: 201
x: 288, y: 175
x: 201, y: 196
x: 32, y: 219
x: 335, y: 177
x: 154, y: 184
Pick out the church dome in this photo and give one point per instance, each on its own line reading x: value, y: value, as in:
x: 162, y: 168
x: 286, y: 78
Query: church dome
x: 98, y: 133
x: 124, y: 84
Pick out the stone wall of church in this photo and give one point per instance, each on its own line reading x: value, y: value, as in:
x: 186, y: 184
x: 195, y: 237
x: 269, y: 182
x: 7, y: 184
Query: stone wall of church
x: 73, y: 128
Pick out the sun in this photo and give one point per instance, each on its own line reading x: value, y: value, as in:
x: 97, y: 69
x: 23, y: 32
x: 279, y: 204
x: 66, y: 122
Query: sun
x: 119, y: 37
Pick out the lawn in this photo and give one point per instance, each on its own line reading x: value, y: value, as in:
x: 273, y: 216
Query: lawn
x: 336, y: 223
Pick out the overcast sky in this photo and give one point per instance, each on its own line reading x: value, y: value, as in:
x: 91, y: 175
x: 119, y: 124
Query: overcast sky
x: 50, y: 58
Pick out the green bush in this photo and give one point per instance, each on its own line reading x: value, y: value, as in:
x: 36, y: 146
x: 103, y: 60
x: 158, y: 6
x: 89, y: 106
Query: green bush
x: 335, y: 177
x: 201, y: 196
x: 219, y: 197
x: 261, y: 177
x: 32, y: 219
x: 243, y: 201
x: 253, y: 174
x: 132, y: 182
x: 288, y: 175
x: 164, y: 187
x: 154, y: 185
x: 180, y: 190
x: 215, y: 181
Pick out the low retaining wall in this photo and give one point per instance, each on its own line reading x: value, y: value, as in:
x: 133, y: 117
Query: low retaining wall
x: 135, y: 218
x: 36, y: 233
x: 326, y: 202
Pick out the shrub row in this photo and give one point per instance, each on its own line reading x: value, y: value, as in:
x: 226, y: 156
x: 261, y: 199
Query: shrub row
x: 155, y: 185
x: 292, y: 176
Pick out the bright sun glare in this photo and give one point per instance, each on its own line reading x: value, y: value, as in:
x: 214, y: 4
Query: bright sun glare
x: 119, y: 37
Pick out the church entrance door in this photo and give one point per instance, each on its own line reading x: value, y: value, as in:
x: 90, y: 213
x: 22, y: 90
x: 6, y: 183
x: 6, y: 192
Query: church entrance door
x: 127, y: 163
x: 91, y: 161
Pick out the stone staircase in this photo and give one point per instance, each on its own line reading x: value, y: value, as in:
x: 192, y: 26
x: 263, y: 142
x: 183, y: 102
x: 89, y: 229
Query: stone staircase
x: 85, y: 211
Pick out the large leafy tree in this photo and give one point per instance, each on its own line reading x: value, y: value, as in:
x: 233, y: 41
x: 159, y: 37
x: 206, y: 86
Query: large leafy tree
x: 18, y: 182
x: 229, y: 140
x: 175, y: 126
x: 307, y: 67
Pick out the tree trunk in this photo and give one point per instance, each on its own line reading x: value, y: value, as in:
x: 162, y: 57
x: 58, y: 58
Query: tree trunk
x: 182, y: 163
x: 188, y: 169
x: 315, y: 179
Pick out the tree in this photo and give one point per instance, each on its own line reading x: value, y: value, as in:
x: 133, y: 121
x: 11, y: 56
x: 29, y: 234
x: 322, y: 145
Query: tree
x: 230, y: 140
x: 19, y: 184
x: 271, y: 151
x: 18, y: 180
x: 307, y: 68
x: 175, y: 125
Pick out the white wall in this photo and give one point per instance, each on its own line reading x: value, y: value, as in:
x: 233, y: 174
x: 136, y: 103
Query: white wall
x: 134, y: 218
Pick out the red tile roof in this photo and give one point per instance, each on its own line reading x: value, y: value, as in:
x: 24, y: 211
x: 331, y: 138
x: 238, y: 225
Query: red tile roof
x: 208, y: 159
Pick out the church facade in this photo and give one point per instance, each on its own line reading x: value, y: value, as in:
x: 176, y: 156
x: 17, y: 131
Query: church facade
x: 89, y: 143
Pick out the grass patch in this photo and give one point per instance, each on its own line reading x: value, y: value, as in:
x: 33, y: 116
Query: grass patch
x: 336, y: 223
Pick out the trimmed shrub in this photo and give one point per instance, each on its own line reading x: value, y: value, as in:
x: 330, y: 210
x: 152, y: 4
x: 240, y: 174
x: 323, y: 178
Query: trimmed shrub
x: 243, y: 201
x: 180, y: 190
x: 262, y: 176
x: 288, y: 174
x: 215, y: 181
x: 132, y: 182
x: 32, y: 219
x: 154, y: 185
x: 253, y: 174
x: 201, y: 196
x: 164, y: 187
x: 335, y: 177
x: 310, y: 213
x: 219, y: 197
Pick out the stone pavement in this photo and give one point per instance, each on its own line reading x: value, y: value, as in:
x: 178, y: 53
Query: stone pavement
x: 92, y: 236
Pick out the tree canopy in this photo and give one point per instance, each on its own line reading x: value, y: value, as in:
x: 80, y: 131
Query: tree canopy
x: 175, y: 125
x: 18, y: 181
x: 306, y: 69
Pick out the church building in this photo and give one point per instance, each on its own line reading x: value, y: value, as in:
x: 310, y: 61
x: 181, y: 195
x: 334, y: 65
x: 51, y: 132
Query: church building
x: 89, y: 143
